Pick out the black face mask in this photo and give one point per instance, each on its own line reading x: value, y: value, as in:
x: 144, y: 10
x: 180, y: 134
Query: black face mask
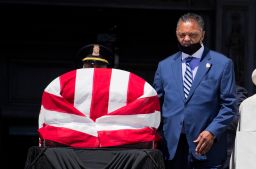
x: 191, y: 49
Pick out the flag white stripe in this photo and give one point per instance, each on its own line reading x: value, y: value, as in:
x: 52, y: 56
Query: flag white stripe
x: 41, y: 117
x: 148, y: 91
x: 88, y: 126
x: 70, y: 121
x: 118, y: 90
x: 54, y: 87
x: 83, y: 90
x: 118, y: 122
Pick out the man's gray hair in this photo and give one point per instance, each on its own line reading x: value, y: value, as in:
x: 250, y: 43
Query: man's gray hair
x: 192, y: 16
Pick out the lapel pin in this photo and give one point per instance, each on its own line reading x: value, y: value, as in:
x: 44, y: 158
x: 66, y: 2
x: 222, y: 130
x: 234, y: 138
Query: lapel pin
x: 208, y: 65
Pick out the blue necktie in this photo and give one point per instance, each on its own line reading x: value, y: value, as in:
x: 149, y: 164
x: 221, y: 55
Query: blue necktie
x: 188, y: 77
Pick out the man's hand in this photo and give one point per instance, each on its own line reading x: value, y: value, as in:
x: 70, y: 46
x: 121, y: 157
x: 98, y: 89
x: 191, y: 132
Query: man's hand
x: 204, y: 142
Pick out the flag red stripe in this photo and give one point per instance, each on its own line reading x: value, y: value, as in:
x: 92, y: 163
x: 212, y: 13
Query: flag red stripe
x: 68, y: 137
x: 140, y: 106
x: 100, y: 93
x: 67, y: 86
x: 127, y: 136
x: 135, y: 88
x: 59, y: 104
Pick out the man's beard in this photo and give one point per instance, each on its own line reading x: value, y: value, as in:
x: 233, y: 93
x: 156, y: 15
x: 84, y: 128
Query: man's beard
x: 191, y: 49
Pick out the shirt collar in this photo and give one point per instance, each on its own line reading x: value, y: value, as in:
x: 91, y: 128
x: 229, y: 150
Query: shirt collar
x: 198, y: 54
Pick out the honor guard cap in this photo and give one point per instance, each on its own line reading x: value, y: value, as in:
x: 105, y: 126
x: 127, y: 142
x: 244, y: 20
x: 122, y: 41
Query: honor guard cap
x: 96, y: 52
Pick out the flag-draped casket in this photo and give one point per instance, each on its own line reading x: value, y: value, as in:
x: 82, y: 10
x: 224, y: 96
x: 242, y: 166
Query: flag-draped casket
x: 99, y: 107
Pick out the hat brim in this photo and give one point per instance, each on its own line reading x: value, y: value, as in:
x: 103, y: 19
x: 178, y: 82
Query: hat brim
x: 95, y: 59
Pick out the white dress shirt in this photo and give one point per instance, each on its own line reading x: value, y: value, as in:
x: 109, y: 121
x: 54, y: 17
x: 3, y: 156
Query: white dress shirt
x: 198, y: 54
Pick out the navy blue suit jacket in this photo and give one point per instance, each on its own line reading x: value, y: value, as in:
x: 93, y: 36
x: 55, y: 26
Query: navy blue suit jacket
x: 210, y: 105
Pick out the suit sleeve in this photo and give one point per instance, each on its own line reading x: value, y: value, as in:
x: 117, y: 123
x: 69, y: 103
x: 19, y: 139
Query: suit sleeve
x: 227, y: 102
x: 157, y: 84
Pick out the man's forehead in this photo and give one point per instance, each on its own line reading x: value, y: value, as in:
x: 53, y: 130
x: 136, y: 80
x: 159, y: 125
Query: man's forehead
x: 187, y: 23
x: 190, y: 25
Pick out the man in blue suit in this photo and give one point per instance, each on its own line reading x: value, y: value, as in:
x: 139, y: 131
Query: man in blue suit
x: 195, y: 114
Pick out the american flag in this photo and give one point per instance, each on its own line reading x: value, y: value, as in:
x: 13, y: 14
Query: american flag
x: 99, y: 107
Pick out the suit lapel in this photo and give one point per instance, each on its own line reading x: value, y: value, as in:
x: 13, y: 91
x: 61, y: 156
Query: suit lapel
x: 204, y: 66
x: 177, y: 74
